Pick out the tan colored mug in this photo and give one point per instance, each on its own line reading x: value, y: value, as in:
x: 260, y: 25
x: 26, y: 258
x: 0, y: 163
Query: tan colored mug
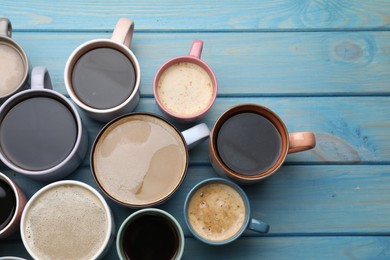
x: 250, y: 142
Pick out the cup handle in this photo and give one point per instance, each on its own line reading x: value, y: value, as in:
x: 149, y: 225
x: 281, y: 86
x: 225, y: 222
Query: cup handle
x: 196, y: 135
x: 301, y: 141
x: 123, y: 32
x: 258, y: 226
x: 196, y: 49
x: 5, y: 27
x: 40, y: 78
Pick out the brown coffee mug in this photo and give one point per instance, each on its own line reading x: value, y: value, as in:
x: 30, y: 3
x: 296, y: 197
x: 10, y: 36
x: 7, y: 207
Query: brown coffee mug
x: 250, y: 142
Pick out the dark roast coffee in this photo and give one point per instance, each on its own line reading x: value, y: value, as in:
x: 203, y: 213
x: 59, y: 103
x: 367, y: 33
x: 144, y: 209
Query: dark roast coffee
x: 38, y: 133
x: 7, y: 204
x: 150, y: 237
x: 103, y: 78
x: 248, y: 143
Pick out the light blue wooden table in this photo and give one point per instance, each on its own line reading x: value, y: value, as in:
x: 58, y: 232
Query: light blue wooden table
x: 323, y: 66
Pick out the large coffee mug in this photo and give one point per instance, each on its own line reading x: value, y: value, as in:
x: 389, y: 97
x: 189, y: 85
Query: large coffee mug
x: 185, y: 87
x: 150, y: 234
x: 12, y: 202
x: 140, y: 159
x: 103, y: 76
x: 217, y: 212
x: 250, y: 142
x: 67, y: 220
x: 41, y: 133
x: 14, y: 65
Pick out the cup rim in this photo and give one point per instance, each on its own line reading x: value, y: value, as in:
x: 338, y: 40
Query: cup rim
x: 236, y: 188
x: 83, y: 185
x: 21, y: 51
x: 89, y: 45
x: 26, y: 94
x: 193, y: 60
x: 153, y: 211
x: 149, y: 203
x: 12, y: 184
x: 281, y: 127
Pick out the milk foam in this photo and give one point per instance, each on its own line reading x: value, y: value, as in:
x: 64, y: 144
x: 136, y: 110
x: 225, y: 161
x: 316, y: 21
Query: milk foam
x: 216, y: 212
x: 12, y: 70
x: 185, y: 88
x: 66, y: 222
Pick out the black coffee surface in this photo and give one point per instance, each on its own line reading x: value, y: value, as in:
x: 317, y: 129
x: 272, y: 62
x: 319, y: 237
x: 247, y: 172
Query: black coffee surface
x: 103, y: 78
x: 7, y: 204
x: 248, y: 143
x: 150, y: 237
x: 38, y: 133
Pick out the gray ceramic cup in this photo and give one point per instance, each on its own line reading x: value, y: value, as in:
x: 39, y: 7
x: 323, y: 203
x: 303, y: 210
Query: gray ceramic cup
x: 14, y: 64
x: 37, y: 147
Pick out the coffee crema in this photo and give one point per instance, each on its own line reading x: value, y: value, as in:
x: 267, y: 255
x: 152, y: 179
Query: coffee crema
x: 103, y: 78
x: 12, y: 69
x: 248, y: 143
x: 7, y: 202
x: 216, y: 212
x: 139, y: 159
x: 185, y: 88
x: 66, y: 222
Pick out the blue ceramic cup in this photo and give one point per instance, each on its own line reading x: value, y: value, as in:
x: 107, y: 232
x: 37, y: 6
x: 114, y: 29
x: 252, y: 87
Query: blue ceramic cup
x: 217, y: 212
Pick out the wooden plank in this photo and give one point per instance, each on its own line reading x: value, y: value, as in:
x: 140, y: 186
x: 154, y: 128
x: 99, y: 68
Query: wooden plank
x: 198, y: 15
x: 246, y: 64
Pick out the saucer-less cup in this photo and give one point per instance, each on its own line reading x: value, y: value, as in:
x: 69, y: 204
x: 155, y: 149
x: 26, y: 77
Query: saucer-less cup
x: 67, y: 220
x: 150, y: 234
x: 140, y: 159
x: 185, y: 87
x: 250, y: 142
x: 103, y: 76
x: 217, y: 212
x: 41, y: 133
x: 12, y: 202
x: 14, y: 65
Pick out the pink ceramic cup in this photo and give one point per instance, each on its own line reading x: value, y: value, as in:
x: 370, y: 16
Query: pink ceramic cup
x: 185, y: 87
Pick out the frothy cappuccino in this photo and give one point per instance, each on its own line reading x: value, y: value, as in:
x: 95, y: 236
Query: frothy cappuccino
x: 12, y: 69
x: 216, y: 211
x: 185, y: 89
x: 65, y: 222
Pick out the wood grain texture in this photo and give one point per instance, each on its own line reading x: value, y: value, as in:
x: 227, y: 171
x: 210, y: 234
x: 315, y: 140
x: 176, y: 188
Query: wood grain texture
x: 199, y: 15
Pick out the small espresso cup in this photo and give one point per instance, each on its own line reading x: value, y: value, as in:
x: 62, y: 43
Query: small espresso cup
x: 103, y: 76
x: 67, y: 220
x: 12, y: 202
x: 14, y: 65
x: 140, y: 159
x: 217, y: 212
x: 150, y: 234
x: 250, y: 142
x: 41, y: 133
x: 185, y: 87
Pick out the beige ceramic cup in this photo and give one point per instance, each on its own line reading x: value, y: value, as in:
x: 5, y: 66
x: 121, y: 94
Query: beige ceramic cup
x: 103, y: 76
x: 250, y: 142
x: 12, y: 204
x: 14, y: 65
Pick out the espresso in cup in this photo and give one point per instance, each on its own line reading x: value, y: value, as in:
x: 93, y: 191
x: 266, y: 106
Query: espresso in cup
x: 140, y: 159
x: 7, y: 202
x: 66, y: 220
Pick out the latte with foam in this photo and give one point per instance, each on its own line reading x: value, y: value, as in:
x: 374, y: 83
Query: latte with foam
x: 216, y: 212
x: 65, y: 222
x: 12, y: 69
x: 185, y: 89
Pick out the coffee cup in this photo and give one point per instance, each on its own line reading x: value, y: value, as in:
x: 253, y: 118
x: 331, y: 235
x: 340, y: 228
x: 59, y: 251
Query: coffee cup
x: 140, y: 159
x: 250, y: 142
x: 150, y: 234
x: 103, y: 76
x: 14, y: 65
x: 217, y: 212
x: 67, y: 220
x: 185, y: 87
x: 12, y: 202
x: 41, y: 133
